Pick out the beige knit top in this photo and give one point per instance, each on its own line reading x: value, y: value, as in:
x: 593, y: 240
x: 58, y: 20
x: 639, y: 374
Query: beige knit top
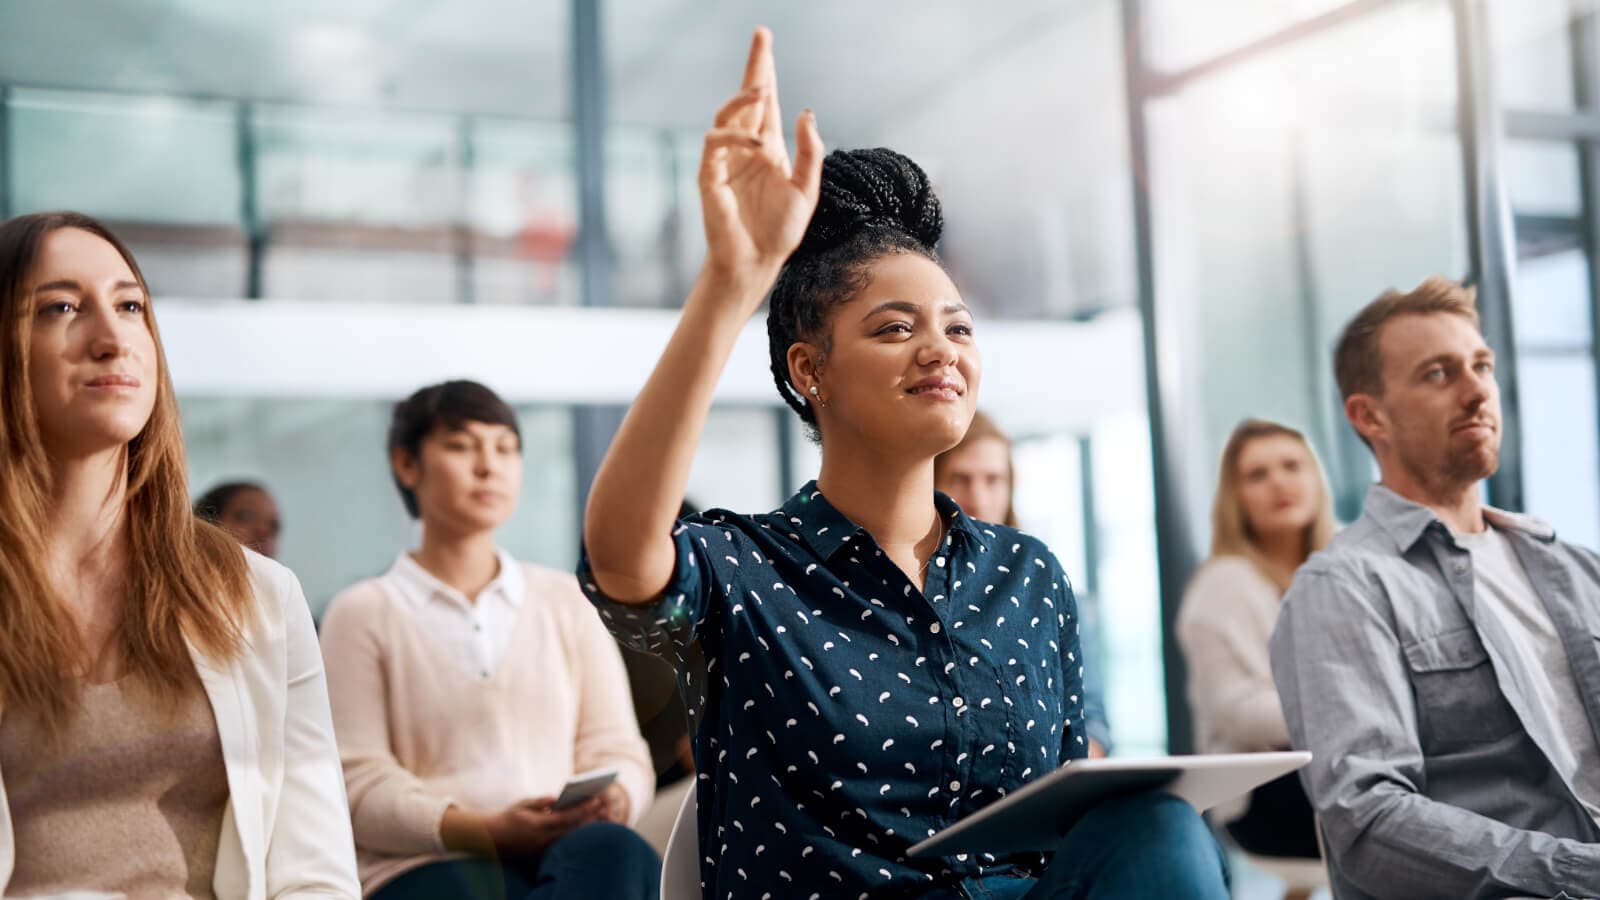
x: 417, y: 732
x: 129, y: 802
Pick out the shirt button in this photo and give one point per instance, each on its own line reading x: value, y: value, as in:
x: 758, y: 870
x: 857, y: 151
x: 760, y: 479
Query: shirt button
x: 955, y: 785
x: 477, y: 626
x: 958, y: 703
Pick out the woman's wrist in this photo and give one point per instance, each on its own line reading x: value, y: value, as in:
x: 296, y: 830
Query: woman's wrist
x: 748, y: 281
x: 466, y: 831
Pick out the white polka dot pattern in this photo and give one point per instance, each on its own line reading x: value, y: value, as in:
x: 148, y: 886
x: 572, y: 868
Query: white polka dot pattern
x: 842, y: 715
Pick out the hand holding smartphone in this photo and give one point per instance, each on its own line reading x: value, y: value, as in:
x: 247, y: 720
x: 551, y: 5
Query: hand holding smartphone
x: 584, y: 786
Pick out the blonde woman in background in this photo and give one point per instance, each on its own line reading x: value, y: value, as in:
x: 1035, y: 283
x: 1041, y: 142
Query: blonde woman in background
x: 979, y: 475
x: 1272, y: 511
x: 166, y: 728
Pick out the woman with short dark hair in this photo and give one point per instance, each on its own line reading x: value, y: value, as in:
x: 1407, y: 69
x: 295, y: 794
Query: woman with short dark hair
x: 469, y: 686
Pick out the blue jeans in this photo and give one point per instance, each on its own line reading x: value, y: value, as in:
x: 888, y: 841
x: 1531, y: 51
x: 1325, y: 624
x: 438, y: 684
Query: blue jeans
x: 1140, y: 846
x: 598, y: 860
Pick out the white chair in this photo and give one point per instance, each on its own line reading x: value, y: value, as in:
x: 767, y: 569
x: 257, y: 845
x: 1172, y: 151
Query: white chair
x: 680, y: 864
x: 655, y: 826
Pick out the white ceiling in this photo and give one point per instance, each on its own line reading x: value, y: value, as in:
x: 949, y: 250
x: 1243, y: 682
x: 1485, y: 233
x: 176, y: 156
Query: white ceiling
x: 669, y: 61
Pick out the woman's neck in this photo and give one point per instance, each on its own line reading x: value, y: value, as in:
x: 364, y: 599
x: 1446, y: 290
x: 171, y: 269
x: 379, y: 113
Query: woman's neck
x: 1282, y: 553
x: 466, y: 562
x: 892, y: 500
x: 86, y: 532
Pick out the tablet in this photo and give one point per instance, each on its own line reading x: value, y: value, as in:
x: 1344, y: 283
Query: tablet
x: 1039, y: 815
x: 584, y: 785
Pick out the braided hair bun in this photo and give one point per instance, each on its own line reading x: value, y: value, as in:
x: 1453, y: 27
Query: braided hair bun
x: 868, y: 189
x: 873, y: 203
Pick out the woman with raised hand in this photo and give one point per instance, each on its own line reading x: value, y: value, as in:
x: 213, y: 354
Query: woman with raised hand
x: 1273, y: 510
x: 164, y: 725
x: 877, y: 665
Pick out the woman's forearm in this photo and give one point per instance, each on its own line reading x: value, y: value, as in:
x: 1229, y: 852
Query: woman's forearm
x: 640, y: 484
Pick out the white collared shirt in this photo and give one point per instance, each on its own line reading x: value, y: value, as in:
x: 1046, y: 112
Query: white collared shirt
x: 472, y: 634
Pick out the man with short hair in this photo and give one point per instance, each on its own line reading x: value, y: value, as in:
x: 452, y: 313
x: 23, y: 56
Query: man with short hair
x: 1441, y: 658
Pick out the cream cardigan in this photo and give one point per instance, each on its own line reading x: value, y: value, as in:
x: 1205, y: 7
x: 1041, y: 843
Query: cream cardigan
x: 1226, y: 619
x: 417, y: 732
x: 286, y: 832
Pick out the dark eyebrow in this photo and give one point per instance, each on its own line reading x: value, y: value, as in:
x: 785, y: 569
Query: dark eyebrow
x: 911, y: 309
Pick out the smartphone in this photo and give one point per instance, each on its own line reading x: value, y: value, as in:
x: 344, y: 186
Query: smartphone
x: 584, y: 785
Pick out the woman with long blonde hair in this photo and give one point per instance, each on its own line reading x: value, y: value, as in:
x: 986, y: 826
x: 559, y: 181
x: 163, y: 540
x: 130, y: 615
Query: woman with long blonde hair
x: 1273, y: 510
x: 164, y: 725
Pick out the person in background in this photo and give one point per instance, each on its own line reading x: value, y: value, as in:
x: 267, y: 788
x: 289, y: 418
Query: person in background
x: 876, y: 666
x: 246, y: 510
x: 166, y: 728
x: 1273, y: 509
x: 663, y: 718
x: 979, y: 476
x: 1441, y: 658
x: 468, y: 687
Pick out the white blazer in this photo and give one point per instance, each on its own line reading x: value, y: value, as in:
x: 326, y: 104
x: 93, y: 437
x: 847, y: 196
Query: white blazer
x: 286, y: 832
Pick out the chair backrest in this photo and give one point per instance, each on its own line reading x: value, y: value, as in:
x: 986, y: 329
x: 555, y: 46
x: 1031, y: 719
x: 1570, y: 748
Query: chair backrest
x: 680, y: 865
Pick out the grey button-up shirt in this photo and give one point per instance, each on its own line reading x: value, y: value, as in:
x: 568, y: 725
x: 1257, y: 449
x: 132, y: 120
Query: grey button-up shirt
x: 1431, y: 776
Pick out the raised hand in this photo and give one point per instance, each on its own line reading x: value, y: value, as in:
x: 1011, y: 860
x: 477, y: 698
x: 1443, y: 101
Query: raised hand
x: 755, y: 202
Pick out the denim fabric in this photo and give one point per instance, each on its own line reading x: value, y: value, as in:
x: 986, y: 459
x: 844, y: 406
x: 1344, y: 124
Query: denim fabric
x: 598, y: 860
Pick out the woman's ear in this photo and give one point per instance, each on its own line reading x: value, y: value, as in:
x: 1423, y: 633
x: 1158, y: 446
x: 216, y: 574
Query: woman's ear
x: 407, y: 469
x: 805, y: 369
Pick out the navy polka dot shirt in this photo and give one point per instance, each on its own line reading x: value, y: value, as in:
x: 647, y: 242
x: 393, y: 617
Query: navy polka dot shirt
x: 841, y: 715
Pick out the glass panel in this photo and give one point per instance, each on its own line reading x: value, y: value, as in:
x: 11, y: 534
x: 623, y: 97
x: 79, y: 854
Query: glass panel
x: 1552, y: 303
x: 1559, y: 449
x: 360, y: 204
x: 1048, y: 495
x: 357, y: 167
x: 126, y: 159
x: 736, y: 466
x: 642, y: 218
x: 1542, y: 178
x: 1129, y: 603
x: 1182, y: 33
x: 1289, y: 191
x: 523, y: 212
x: 342, y: 519
x: 1533, y: 52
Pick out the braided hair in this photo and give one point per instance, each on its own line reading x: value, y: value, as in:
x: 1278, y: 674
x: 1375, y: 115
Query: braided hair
x: 873, y: 203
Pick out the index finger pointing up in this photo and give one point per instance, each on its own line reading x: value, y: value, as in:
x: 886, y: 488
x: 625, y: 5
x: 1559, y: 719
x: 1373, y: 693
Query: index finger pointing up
x: 758, y: 70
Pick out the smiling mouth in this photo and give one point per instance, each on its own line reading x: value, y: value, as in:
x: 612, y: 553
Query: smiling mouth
x: 940, y: 391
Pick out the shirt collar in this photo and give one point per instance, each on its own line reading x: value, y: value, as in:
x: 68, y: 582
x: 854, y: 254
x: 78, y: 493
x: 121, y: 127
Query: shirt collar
x: 418, y: 585
x: 826, y: 530
x: 1406, y: 521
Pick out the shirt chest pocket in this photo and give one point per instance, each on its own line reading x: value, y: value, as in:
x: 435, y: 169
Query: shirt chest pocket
x: 1459, y: 701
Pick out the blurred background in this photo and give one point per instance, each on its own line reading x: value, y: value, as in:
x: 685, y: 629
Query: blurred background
x: 1162, y: 211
